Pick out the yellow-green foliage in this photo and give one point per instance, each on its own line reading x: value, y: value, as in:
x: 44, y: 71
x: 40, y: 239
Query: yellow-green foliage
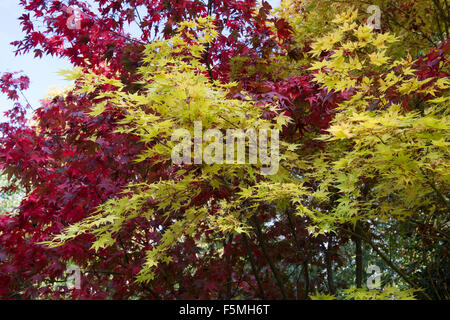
x: 400, y: 158
x: 309, y: 18
x: 419, y: 24
x: 359, y: 60
x: 380, y: 161
x: 387, y: 293
x: 175, y: 93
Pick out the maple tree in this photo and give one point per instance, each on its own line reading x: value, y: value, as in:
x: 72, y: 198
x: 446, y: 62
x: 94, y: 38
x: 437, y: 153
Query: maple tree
x: 364, y: 148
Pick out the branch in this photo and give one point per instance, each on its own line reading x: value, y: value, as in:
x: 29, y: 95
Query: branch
x: 274, y: 269
x: 208, y: 65
x: 329, y: 266
x: 228, y: 267
x: 388, y: 261
x: 252, y: 263
x: 140, y: 25
x: 305, y: 260
x: 439, y: 194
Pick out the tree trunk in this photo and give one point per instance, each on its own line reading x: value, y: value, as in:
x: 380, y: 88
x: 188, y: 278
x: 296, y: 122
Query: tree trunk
x: 329, y: 265
x: 359, y: 258
x: 274, y: 269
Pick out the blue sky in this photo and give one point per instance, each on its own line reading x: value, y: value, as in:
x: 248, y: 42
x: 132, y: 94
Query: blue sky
x: 42, y: 72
